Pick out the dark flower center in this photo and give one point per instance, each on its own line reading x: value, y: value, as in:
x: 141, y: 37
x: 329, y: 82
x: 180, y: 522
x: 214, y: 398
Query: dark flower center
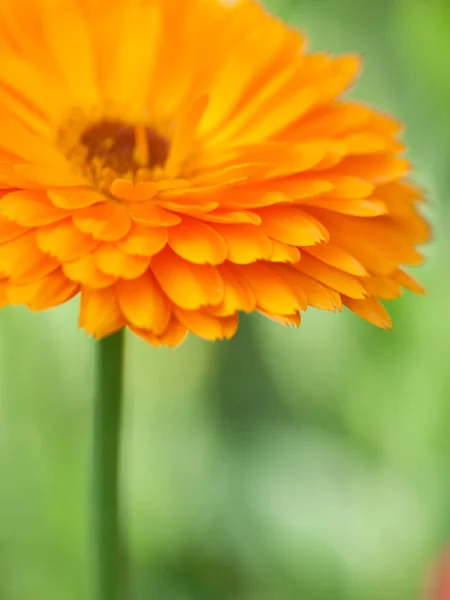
x: 124, y: 148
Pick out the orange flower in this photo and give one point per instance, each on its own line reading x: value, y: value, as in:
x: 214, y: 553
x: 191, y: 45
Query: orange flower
x: 175, y: 162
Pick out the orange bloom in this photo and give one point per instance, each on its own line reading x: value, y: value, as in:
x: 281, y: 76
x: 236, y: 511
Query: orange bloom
x: 175, y: 162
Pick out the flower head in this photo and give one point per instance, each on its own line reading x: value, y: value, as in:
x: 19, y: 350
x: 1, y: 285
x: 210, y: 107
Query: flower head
x: 175, y: 162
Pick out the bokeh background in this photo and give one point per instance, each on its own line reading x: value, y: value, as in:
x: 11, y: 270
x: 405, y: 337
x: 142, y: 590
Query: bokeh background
x: 307, y: 464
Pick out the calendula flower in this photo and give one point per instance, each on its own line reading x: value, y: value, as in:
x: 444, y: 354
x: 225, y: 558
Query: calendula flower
x: 175, y: 162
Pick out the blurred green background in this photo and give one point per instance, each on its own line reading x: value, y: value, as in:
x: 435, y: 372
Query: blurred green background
x: 307, y: 464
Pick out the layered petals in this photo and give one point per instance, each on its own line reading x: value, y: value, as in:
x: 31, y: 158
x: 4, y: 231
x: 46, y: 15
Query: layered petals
x: 173, y: 171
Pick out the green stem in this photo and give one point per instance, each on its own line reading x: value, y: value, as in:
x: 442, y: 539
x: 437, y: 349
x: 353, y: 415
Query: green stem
x: 107, y: 418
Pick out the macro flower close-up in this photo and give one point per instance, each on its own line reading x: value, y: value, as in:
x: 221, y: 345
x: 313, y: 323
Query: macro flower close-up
x: 176, y: 162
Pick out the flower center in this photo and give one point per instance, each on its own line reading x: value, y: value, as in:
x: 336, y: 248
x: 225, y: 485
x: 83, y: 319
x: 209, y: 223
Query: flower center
x: 111, y: 149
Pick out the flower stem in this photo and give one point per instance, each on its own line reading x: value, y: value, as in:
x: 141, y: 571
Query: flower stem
x: 107, y: 419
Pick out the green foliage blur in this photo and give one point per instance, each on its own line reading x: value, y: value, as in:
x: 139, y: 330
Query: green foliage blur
x: 308, y: 464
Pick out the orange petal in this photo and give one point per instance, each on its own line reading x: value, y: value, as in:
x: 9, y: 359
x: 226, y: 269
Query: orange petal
x: 126, y: 190
x: 30, y: 208
x: 235, y: 217
x: 346, y: 187
x: 342, y: 72
x: 28, y: 147
x: 339, y: 258
x: 237, y: 294
x: 235, y: 173
x: 184, y: 135
x: 107, y: 221
x: 305, y: 157
x: 197, y: 242
x: 291, y: 320
x: 364, y: 142
x: 4, y: 285
x: 49, y: 176
x: 364, y: 207
x: 55, y: 290
x: 149, y: 213
x: 76, y: 64
x: 207, y: 326
x: 73, y: 198
x: 295, y: 282
x: 144, y: 241
x: 172, y: 336
x: 251, y: 198
x: 13, y: 250
x: 20, y: 76
x: 364, y: 242
x: 376, y: 168
x: 100, y: 314
x: 383, y: 287
x: 21, y: 294
x: 245, y: 243
x: 330, y: 120
x: 63, y: 241
x: 283, y: 253
x: 9, y: 230
x: 143, y: 304
x: 316, y: 294
x: 9, y: 180
x: 400, y: 198
x: 84, y: 270
x: 291, y: 225
x: 111, y: 260
x: 297, y: 188
x: 370, y: 310
x: 289, y: 109
x: 272, y: 293
x: 408, y: 282
x: 188, y: 285
x: 129, y: 83
x: 32, y: 266
x: 334, y: 278
x: 188, y: 209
